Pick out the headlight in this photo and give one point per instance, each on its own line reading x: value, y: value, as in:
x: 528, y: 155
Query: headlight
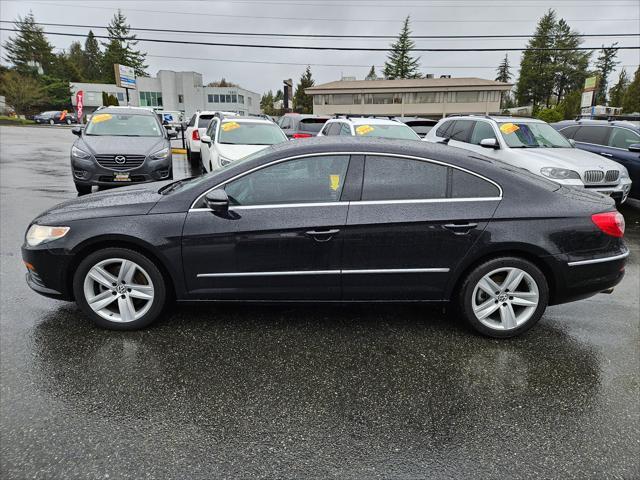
x: 76, y: 152
x: 559, y: 173
x: 624, y: 173
x: 38, y: 234
x: 160, y: 154
x: 225, y: 161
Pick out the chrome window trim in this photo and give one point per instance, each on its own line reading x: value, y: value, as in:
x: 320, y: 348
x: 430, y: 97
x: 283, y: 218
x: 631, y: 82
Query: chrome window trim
x: 322, y: 272
x: 599, y: 260
x: 379, y: 154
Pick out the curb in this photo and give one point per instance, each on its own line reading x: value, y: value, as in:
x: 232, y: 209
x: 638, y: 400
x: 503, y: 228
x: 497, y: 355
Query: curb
x: 178, y: 150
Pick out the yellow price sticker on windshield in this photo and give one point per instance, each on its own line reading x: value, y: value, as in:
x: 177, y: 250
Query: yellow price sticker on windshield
x: 101, y: 117
x: 226, y: 127
x: 509, y: 128
x: 364, y: 129
x: 335, y: 182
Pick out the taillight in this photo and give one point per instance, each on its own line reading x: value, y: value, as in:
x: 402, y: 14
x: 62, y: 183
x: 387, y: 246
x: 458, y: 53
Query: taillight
x: 195, y: 135
x: 302, y: 135
x: 611, y: 223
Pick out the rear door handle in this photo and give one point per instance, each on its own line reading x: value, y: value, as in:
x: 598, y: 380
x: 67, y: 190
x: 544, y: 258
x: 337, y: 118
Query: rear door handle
x: 460, y: 228
x: 322, y: 235
x: 605, y: 154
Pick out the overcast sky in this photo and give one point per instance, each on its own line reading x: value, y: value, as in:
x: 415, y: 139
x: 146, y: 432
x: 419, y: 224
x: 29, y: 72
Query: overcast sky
x: 362, y: 17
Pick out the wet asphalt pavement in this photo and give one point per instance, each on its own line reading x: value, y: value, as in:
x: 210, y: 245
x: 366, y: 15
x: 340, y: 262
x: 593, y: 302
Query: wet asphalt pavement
x: 302, y: 392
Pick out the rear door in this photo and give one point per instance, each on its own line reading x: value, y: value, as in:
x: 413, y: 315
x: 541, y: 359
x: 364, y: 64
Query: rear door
x: 592, y: 137
x: 415, y: 222
x: 619, y: 142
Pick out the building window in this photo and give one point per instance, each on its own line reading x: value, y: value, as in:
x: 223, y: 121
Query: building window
x: 465, y: 97
x: 180, y: 99
x: 249, y: 101
x: 338, y: 99
x: 424, y: 97
x: 240, y: 98
x: 228, y: 98
x: 382, y: 98
x: 234, y: 98
x: 318, y: 99
x: 120, y: 96
x: 150, y: 99
x: 222, y: 98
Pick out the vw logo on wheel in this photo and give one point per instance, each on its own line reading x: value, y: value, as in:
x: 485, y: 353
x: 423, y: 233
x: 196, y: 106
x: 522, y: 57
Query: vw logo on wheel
x: 120, y: 159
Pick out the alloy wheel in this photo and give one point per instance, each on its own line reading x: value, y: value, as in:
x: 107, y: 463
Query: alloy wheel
x: 505, y: 298
x: 118, y: 290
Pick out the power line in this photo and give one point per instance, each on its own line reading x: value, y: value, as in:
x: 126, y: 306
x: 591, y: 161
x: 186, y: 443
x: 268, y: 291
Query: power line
x: 327, y: 48
x: 319, y: 35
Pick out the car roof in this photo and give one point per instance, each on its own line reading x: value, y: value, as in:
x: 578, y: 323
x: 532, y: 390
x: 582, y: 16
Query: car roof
x: 589, y: 121
x: 368, y: 120
x: 126, y: 110
x: 247, y: 120
x: 495, y: 118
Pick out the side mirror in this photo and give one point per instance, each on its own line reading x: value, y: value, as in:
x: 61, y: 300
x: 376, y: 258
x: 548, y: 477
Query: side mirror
x: 217, y: 200
x: 172, y: 135
x: 634, y: 147
x: 572, y: 142
x: 205, y: 139
x: 77, y: 131
x: 490, y: 143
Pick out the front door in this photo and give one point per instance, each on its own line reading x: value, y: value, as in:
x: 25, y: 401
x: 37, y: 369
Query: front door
x: 416, y: 221
x: 282, y: 238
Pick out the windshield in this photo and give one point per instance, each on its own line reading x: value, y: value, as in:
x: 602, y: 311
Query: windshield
x: 532, y: 135
x: 204, y: 121
x: 401, y: 132
x: 250, y: 133
x: 312, y: 125
x: 124, y: 125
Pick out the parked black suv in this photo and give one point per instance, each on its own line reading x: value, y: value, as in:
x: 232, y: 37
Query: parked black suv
x: 121, y: 145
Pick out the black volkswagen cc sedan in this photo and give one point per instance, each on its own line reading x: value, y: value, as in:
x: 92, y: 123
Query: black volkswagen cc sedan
x: 121, y: 146
x: 334, y: 220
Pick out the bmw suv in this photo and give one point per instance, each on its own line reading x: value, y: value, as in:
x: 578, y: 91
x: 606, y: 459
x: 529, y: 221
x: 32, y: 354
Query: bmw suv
x: 120, y: 146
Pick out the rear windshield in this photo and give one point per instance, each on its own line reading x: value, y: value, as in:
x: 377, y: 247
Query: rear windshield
x: 204, y: 121
x: 249, y: 133
x: 123, y: 125
x: 399, y: 131
x: 313, y: 125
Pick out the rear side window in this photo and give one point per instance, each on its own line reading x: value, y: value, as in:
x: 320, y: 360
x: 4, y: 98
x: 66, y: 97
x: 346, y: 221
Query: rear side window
x: 592, y: 134
x: 204, y: 121
x: 345, y: 130
x: 333, y: 128
x: 569, y: 132
x: 623, y: 138
x: 461, y: 130
x: 285, y: 122
x: 443, y: 130
x: 390, y: 178
x: 481, y: 131
x: 466, y: 185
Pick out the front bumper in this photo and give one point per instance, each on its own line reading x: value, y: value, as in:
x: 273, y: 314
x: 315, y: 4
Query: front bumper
x: 90, y: 172
x: 619, y: 192
x: 47, y: 271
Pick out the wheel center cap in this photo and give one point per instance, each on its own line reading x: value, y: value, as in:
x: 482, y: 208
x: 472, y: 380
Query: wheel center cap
x: 121, y: 289
x: 503, y: 297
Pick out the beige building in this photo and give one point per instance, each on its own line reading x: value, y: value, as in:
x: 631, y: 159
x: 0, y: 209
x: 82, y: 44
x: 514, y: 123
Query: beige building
x: 425, y: 97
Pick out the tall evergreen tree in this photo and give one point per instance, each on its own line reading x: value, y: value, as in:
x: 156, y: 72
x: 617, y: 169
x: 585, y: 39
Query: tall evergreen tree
x: 569, y: 64
x: 616, y: 94
x: 93, y: 61
x: 29, y: 50
x: 400, y: 63
x: 504, y: 70
x: 372, y: 74
x: 631, y: 101
x: 604, y: 65
x: 279, y: 95
x: 302, y: 102
x: 120, y: 49
x: 266, y: 103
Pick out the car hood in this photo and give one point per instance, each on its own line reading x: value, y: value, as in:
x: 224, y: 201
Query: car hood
x: 236, y: 152
x: 571, y: 158
x: 122, y: 201
x: 113, y: 145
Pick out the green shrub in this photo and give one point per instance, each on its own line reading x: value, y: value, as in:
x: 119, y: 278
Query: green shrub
x: 4, y: 120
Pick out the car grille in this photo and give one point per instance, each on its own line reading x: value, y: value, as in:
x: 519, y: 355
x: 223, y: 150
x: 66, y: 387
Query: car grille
x: 130, y: 161
x: 593, y: 176
x: 612, y: 176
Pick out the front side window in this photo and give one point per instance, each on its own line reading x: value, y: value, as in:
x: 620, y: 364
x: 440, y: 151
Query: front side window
x: 345, y: 130
x: 482, y: 130
x: 304, y: 180
x: 390, y: 178
x: 211, y: 129
x: 623, y: 138
x: 123, y: 125
x: 249, y: 133
x: 532, y: 135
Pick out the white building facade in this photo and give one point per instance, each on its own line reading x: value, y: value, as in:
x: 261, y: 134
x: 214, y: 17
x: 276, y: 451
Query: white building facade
x: 169, y: 90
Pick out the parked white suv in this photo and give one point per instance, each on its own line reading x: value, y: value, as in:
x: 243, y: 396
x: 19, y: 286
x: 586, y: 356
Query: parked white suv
x: 356, y: 126
x: 535, y: 146
x: 195, y: 129
x: 230, y: 138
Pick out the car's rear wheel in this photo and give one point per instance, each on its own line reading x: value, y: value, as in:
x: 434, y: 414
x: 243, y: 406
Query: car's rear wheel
x: 51, y: 122
x: 194, y: 157
x: 83, y: 189
x: 68, y: 121
x: 119, y: 289
x: 504, y: 297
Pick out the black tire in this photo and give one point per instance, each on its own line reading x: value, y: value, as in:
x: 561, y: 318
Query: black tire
x: 159, y: 288
x: 465, y: 295
x: 52, y: 122
x: 83, y: 189
x: 68, y: 121
x: 194, y: 158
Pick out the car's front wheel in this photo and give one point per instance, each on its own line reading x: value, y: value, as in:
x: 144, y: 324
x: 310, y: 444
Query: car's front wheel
x: 52, y: 122
x: 83, y: 189
x: 119, y: 289
x: 504, y: 297
x: 68, y: 121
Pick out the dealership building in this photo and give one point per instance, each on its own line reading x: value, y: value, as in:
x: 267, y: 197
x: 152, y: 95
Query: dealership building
x: 425, y: 97
x: 169, y: 90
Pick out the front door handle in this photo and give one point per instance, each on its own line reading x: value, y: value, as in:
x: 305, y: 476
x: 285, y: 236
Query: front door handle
x: 605, y: 154
x: 322, y: 235
x: 460, y: 228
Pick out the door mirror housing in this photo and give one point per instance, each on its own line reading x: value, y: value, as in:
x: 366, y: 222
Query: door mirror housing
x: 77, y: 131
x: 205, y: 139
x: 217, y: 200
x: 172, y: 134
x: 489, y: 143
x: 634, y: 147
x: 572, y: 142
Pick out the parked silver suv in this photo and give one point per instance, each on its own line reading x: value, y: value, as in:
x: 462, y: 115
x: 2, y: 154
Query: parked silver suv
x: 534, y: 145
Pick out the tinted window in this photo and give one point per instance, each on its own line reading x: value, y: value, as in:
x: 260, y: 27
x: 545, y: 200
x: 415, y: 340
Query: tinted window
x: 334, y: 128
x: 481, y: 131
x: 211, y: 130
x: 345, y: 130
x: 312, y: 125
x: 465, y: 185
x: 461, y: 130
x: 305, y: 180
x: 192, y: 122
x: 443, y: 130
x: 204, y: 121
x: 597, y: 135
x: 622, y: 138
x: 388, y: 178
x: 569, y: 132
